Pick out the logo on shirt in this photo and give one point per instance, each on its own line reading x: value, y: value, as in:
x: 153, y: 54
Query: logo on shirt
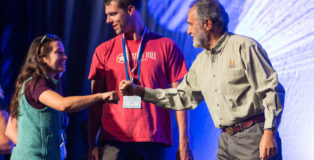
x: 145, y: 57
x: 120, y: 58
x: 149, y: 55
x: 231, y: 63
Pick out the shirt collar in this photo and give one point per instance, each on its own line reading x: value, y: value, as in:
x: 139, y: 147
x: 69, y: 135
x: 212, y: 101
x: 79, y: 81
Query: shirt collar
x: 220, y: 44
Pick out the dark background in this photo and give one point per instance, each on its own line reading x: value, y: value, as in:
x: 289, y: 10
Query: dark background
x: 81, y: 25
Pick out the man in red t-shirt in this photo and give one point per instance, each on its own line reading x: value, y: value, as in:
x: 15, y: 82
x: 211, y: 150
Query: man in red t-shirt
x: 132, y: 129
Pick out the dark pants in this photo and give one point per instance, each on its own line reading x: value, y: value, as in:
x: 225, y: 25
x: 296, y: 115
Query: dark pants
x: 116, y: 150
x: 242, y: 145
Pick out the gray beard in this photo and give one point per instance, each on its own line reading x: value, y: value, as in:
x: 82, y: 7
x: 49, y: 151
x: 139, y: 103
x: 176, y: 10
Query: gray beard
x: 201, y: 40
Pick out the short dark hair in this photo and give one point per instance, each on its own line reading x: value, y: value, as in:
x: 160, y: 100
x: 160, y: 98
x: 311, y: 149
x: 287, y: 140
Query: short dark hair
x: 213, y: 10
x: 125, y: 3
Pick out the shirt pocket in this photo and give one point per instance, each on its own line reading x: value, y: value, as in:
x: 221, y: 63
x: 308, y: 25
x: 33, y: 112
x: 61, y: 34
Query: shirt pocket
x: 233, y: 76
x: 233, y: 83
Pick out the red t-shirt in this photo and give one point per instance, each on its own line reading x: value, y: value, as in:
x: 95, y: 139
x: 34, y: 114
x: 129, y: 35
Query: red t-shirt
x: 162, y: 64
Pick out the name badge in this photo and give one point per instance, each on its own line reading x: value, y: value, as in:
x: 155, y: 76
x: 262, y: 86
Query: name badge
x: 132, y: 102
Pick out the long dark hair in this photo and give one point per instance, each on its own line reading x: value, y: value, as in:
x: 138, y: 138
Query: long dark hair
x: 33, y: 67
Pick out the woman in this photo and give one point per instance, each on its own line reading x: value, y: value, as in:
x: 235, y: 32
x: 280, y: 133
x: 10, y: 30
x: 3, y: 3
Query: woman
x: 37, y: 103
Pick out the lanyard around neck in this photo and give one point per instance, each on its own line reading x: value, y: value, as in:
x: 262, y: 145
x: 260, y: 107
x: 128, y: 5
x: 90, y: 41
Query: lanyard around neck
x: 139, y: 57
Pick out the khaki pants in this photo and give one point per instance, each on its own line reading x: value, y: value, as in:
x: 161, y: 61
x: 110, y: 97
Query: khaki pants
x: 242, y: 145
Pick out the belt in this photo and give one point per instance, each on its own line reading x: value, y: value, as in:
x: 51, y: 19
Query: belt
x: 244, y: 124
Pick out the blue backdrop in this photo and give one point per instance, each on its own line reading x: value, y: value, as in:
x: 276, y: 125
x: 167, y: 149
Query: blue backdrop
x: 285, y: 28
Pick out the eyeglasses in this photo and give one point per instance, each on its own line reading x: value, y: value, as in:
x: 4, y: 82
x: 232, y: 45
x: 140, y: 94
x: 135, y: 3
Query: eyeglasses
x: 42, y: 41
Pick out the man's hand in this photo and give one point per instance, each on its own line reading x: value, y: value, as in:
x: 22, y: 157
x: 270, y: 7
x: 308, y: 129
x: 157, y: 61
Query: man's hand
x: 93, y: 154
x: 267, y: 146
x: 184, y: 152
x: 110, y: 96
x: 127, y: 87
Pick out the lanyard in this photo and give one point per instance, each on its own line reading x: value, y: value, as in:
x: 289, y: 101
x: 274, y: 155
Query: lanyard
x: 139, y: 58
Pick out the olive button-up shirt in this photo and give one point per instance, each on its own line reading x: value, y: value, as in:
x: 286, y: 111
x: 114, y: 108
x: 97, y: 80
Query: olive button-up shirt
x: 235, y: 78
